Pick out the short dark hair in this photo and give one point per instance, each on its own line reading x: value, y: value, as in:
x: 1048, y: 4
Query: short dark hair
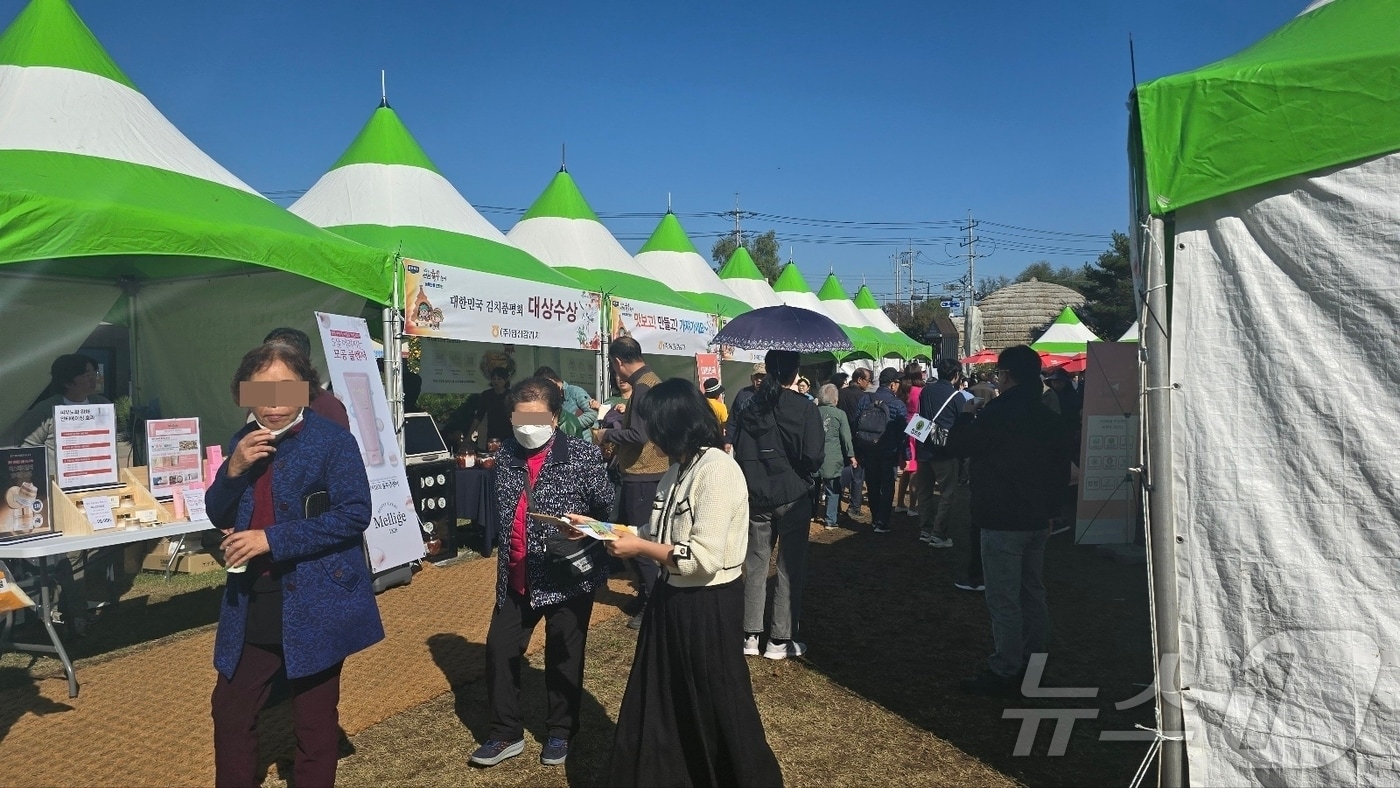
x: 290, y: 336
x: 679, y: 420
x: 500, y: 372
x: 1022, y: 362
x: 549, y: 374
x: 860, y: 374
x: 839, y: 379
x: 889, y: 375
x: 625, y: 350
x: 949, y: 369
x: 262, y: 356
x: 65, y: 369
x: 536, y: 389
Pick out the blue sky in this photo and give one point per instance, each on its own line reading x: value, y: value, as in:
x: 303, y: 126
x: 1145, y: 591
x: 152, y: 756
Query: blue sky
x: 860, y: 112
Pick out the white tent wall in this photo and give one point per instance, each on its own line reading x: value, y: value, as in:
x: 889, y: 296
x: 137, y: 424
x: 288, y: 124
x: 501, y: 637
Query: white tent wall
x: 191, y: 334
x: 1287, y: 480
x: 47, y: 317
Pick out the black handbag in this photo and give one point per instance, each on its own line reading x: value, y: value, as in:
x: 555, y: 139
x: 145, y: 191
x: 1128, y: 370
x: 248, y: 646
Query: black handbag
x: 570, y: 560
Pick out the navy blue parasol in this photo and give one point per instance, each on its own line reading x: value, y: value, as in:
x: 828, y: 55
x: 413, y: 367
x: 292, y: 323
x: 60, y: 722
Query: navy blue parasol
x: 783, y: 328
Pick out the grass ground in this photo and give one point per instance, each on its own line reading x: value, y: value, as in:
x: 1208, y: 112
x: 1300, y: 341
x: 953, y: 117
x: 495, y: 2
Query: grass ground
x: 874, y: 702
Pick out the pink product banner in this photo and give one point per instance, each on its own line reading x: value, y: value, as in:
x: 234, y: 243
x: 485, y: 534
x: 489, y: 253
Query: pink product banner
x: 174, y: 456
x: 452, y: 303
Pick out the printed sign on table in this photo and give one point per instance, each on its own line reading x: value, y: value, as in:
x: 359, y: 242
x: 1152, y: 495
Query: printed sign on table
x: 663, y: 330
x: 174, y: 464
x: 393, y: 534
x: 86, y: 445
x: 24, y: 485
x: 706, y: 367
x: 453, y: 303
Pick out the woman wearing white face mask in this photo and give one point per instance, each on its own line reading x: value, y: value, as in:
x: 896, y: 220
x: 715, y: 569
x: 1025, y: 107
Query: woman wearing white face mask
x: 540, y: 470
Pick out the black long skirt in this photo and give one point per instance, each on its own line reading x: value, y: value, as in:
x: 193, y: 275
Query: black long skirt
x: 688, y: 716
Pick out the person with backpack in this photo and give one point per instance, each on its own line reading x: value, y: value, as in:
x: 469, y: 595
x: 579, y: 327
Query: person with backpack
x: 881, y: 446
x: 838, y: 453
x: 779, y: 444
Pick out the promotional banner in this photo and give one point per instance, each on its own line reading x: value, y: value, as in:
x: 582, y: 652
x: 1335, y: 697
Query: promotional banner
x: 1107, y: 510
x: 393, y: 536
x: 453, y: 303
x: 174, y: 458
x: 663, y: 330
x: 451, y: 367
x: 706, y: 367
x: 85, y: 438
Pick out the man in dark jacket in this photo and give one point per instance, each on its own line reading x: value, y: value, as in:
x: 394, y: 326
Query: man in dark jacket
x: 756, y: 378
x: 848, y: 400
x: 1018, y: 457
x: 779, y: 443
x: 940, y: 403
x: 884, y: 452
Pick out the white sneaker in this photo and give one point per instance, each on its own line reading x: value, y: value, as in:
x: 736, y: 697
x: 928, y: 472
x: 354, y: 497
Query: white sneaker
x: 925, y: 537
x: 751, y: 646
x: 912, y: 512
x: 940, y: 543
x: 898, y: 510
x: 782, y: 651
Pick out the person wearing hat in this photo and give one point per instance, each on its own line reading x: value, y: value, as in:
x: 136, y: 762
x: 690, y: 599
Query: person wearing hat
x: 714, y: 394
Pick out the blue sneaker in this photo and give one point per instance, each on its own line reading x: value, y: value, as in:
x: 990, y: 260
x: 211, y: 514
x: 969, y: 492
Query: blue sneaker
x: 495, y: 751
x: 555, y: 751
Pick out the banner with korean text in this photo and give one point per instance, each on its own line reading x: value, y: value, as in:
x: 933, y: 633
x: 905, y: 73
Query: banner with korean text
x: 393, y: 536
x: 453, y: 303
x: 663, y: 330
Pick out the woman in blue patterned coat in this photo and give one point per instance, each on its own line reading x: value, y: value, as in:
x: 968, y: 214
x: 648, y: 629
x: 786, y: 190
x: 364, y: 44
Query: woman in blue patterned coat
x: 542, y: 470
x: 304, y: 602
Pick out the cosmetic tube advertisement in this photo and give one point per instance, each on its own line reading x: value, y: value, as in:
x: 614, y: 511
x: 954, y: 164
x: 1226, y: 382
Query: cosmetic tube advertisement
x: 393, y: 535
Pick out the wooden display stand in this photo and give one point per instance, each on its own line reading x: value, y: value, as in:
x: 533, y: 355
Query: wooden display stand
x: 71, y: 521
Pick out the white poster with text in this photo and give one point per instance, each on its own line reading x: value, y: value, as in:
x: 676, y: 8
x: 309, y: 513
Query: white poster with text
x: 393, y: 536
x: 663, y: 330
x: 85, y: 441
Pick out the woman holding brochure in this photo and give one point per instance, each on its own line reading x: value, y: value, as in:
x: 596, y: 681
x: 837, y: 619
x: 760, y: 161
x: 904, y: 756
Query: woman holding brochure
x: 293, y: 501
x: 541, y: 471
x: 688, y: 715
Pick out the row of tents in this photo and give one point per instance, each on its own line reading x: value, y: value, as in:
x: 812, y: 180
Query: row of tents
x: 108, y: 212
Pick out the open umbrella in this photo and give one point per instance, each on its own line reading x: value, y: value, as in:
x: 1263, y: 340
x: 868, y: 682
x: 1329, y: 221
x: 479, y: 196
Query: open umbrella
x: 981, y: 357
x: 783, y: 328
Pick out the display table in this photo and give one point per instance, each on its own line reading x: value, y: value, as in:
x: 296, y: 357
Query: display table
x: 45, y: 550
x: 476, y: 501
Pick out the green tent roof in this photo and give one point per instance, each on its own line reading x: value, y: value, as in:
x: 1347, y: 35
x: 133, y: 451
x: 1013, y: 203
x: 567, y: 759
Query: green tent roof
x: 385, y: 140
x: 790, y: 280
x: 50, y: 33
x: 1320, y: 91
x: 740, y: 266
x: 832, y: 290
x: 669, y: 236
x: 895, y: 341
x: 864, y: 299
x: 562, y: 199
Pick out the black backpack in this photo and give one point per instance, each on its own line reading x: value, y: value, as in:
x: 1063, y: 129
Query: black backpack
x: 872, y: 420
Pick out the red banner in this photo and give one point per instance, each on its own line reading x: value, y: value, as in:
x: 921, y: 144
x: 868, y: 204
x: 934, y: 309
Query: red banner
x: 706, y: 367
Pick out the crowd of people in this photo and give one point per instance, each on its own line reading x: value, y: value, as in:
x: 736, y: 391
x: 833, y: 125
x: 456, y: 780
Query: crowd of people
x: 706, y: 493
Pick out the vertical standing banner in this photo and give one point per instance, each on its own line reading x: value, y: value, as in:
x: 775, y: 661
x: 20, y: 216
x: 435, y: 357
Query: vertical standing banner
x: 85, y: 440
x: 706, y: 367
x: 393, y: 535
x: 1106, y: 510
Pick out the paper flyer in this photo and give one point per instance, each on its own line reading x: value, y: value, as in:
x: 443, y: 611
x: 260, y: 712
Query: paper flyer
x: 174, y: 456
x: 24, y: 485
x: 394, y: 533
x: 86, y: 445
x: 602, y: 531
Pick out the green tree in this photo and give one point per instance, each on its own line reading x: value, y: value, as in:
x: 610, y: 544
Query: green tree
x: 1073, y: 278
x: 762, y: 248
x: 1111, y: 306
x: 990, y: 284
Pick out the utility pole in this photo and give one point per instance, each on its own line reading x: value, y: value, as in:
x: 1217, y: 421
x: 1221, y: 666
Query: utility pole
x: 970, y: 286
x: 738, y: 231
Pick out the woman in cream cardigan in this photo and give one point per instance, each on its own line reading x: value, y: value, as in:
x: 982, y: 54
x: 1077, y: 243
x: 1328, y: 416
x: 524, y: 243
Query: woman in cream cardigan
x: 688, y: 715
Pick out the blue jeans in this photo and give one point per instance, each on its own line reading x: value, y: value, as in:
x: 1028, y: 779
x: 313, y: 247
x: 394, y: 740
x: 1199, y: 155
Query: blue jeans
x: 853, y: 479
x: 1013, y: 567
x: 832, y: 488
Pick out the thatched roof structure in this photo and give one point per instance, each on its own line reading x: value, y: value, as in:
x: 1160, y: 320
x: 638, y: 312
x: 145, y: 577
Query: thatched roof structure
x: 1017, y: 314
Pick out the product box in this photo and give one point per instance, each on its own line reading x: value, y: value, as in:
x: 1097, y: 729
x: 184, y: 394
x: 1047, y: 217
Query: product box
x: 186, y: 563
x: 25, y: 494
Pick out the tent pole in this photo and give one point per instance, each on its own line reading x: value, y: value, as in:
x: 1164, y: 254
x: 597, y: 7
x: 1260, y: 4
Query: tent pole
x: 1162, y: 517
x: 605, y: 337
x: 393, y: 361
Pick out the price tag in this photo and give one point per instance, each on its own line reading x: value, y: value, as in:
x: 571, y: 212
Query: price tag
x: 98, y: 509
x: 194, y: 504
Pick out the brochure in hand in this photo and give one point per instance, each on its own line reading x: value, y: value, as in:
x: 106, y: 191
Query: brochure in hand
x: 596, y: 529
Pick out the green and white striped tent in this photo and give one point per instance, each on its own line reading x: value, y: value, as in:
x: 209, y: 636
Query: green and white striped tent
x: 792, y: 288
x: 1266, y: 218
x: 385, y: 191
x: 100, y: 196
x: 741, y: 275
x: 839, y: 307
x: 1067, y: 334
x: 897, y: 343
x: 669, y: 256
